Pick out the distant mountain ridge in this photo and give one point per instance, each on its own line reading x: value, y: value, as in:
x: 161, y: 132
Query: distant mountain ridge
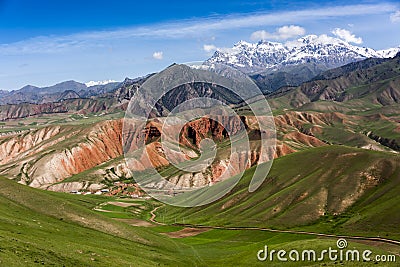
x: 294, y: 86
x: 368, y: 82
x: 273, y: 65
x: 60, y: 91
x: 324, y: 50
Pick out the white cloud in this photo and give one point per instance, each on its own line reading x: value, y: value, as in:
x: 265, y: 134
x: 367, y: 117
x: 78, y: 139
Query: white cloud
x: 260, y: 35
x: 188, y: 28
x: 209, y: 48
x: 347, y: 36
x: 395, y: 17
x: 290, y: 31
x: 282, y: 33
x: 158, y: 55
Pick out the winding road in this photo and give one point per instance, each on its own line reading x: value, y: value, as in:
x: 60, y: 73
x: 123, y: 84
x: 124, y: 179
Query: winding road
x: 153, y: 216
x: 374, y: 239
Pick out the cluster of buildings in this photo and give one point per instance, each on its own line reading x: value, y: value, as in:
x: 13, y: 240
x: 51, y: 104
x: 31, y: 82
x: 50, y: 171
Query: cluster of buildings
x: 98, y: 192
x: 119, y: 189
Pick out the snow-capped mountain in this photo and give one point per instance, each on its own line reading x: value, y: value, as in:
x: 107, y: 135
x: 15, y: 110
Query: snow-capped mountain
x: 322, y: 50
x: 93, y: 83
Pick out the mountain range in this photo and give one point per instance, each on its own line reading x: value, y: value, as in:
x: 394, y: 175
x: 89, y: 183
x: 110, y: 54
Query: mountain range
x: 273, y: 65
x: 55, y: 93
x: 370, y: 82
x: 322, y: 50
x: 355, y: 104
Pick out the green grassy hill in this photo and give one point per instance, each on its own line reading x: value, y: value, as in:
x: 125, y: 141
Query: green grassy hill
x: 334, y: 189
x: 55, y: 229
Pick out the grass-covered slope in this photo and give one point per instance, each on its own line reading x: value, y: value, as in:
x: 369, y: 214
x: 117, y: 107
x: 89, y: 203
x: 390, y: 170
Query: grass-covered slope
x: 343, y: 189
x: 54, y: 229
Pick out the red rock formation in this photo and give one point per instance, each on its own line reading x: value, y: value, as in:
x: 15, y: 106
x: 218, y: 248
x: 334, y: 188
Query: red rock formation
x: 41, y: 160
x: 303, y: 139
x: 21, y: 144
x: 282, y: 150
x: 195, y: 131
x: 103, y: 143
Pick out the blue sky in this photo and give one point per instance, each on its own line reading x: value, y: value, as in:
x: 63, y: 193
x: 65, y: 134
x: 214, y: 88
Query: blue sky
x: 45, y: 42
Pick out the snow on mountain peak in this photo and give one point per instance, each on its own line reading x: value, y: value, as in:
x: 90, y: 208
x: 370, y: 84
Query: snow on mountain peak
x: 318, y: 49
x: 391, y: 52
x: 243, y: 43
x: 93, y: 83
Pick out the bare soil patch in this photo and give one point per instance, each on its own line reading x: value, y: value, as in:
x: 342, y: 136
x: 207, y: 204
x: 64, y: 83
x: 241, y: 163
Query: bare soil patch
x: 136, y: 222
x: 186, y: 232
x: 122, y: 204
x: 101, y: 210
